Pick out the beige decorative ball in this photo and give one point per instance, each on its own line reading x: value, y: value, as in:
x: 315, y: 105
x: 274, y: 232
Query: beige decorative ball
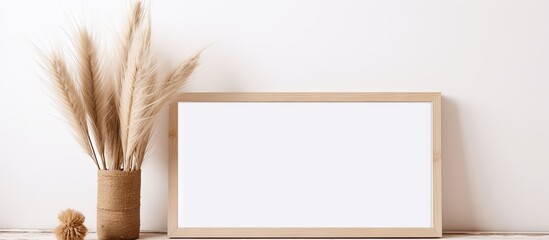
x: 71, y: 226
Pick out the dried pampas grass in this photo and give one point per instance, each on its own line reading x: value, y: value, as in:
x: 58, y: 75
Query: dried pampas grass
x: 112, y: 109
x: 71, y: 226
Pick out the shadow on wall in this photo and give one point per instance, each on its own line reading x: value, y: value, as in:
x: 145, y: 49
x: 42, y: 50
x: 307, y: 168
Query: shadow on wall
x: 458, y: 210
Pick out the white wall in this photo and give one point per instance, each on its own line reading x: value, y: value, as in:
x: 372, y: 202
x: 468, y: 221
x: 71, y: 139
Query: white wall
x: 488, y: 58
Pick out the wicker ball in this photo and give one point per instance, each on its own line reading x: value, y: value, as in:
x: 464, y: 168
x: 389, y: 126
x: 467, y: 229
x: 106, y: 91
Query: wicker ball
x: 71, y: 226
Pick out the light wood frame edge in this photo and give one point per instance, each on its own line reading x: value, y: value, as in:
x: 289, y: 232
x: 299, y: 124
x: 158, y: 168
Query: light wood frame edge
x: 435, y: 231
x: 172, y: 172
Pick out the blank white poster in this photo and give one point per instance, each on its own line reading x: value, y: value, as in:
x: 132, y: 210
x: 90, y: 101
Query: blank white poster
x: 305, y: 164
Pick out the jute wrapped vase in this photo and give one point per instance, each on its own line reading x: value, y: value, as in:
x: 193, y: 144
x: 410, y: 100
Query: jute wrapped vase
x: 118, y: 204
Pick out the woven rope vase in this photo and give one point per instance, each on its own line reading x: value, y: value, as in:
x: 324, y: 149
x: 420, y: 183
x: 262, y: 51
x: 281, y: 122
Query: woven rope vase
x: 118, y: 204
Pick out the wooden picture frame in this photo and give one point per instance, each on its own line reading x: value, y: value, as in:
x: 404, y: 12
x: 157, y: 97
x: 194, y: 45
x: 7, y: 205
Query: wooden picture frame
x: 197, y: 106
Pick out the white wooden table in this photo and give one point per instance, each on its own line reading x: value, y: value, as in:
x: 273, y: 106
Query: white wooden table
x: 40, y: 234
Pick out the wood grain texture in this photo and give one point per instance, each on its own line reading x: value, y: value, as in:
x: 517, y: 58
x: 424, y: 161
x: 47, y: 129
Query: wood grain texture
x: 172, y: 172
x: 435, y: 231
x: 303, y: 232
x: 437, y: 163
x: 37, y: 234
x: 309, y: 97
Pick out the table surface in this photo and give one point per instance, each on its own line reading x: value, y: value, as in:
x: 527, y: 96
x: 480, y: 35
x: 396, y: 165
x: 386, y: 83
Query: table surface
x: 37, y: 234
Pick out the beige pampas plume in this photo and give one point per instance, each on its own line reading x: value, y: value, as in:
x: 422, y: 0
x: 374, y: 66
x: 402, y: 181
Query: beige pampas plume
x: 137, y: 14
x: 113, y: 144
x: 71, y: 226
x: 70, y: 101
x: 90, y: 75
x: 139, y: 73
x: 112, y: 101
x: 164, y: 94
